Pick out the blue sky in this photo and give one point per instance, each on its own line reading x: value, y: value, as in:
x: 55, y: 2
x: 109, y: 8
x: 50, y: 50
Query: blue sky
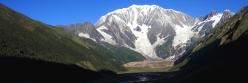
x: 57, y: 12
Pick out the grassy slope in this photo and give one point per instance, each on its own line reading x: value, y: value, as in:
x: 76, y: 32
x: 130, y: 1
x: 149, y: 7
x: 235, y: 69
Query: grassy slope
x: 23, y: 37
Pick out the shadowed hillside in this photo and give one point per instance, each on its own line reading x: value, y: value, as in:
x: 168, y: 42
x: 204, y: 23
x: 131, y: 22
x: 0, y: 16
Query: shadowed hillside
x: 220, y: 57
x: 24, y: 70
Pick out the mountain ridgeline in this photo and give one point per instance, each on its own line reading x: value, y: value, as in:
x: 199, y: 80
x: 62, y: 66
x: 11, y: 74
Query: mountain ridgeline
x: 150, y: 30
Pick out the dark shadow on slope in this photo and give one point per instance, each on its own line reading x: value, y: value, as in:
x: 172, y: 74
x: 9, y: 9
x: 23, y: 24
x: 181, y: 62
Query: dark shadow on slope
x: 24, y: 70
x: 216, y: 63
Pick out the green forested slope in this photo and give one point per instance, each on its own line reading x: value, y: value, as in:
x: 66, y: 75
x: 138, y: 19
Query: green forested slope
x: 21, y: 36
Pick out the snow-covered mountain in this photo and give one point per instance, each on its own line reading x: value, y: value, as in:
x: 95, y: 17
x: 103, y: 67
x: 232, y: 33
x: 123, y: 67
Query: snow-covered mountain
x: 153, y: 31
x: 205, y: 25
x: 147, y: 29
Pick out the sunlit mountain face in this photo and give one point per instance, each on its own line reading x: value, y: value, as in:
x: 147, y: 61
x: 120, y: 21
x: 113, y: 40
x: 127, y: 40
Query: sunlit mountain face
x: 139, y: 43
x: 160, y: 35
x: 153, y: 31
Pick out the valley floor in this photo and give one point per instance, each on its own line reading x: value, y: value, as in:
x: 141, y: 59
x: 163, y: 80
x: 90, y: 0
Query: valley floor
x: 148, y: 66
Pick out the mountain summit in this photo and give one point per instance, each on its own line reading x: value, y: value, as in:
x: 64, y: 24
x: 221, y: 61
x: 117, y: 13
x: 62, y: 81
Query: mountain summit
x: 153, y: 31
x: 145, y: 28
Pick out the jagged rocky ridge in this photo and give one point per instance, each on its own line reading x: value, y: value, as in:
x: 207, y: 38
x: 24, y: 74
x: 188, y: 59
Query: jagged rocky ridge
x: 153, y: 31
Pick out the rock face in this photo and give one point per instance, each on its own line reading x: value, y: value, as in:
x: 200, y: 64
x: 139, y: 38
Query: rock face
x: 145, y: 29
x: 155, y: 32
x: 86, y: 30
x: 205, y: 25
